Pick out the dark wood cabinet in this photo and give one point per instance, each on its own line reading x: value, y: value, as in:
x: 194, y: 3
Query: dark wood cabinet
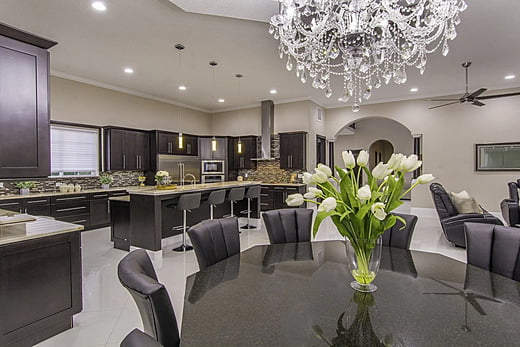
x: 205, y: 148
x: 126, y: 149
x: 71, y: 208
x: 120, y: 223
x: 24, y: 105
x: 272, y: 197
x: 99, y: 210
x: 40, y: 206
x: 293, y: 150
x: 243, y: 160
x: 168, y: 143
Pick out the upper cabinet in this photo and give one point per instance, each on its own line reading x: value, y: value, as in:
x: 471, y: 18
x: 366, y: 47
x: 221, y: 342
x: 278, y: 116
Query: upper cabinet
x: 24, y: 104
x: 206, y: 152
x: 242, y: 158
x: 127, y: 149
x: 168, y: 143
x: 293, y: 150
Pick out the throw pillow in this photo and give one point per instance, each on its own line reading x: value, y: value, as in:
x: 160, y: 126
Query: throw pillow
x: 464, y: 203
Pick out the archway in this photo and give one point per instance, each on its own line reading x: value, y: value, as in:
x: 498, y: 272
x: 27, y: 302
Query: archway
x: 380, y: 150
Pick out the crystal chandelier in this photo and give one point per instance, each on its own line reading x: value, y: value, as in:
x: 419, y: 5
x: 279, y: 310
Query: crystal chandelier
x: 366, y: 42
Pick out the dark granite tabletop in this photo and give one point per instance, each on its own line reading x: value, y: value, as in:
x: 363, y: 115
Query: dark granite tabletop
x: 299, y: 295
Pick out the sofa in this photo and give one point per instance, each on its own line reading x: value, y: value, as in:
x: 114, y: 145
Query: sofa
x: 509, y: 206
x: 452, y: 221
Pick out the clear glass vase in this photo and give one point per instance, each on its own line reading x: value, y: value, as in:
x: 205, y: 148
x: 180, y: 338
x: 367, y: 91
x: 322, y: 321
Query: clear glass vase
x: 363, y: 259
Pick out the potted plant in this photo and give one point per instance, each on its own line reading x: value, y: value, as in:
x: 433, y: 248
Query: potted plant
x: 105, y: 179
x: 360, y: 214
x: 25, y: 187
x: 162, y: 177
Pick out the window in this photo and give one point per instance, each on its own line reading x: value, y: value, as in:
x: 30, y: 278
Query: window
x: 498, y: 157
x: 74, y: 151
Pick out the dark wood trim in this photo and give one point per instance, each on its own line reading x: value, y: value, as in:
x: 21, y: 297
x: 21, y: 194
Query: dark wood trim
x: 24, y: 36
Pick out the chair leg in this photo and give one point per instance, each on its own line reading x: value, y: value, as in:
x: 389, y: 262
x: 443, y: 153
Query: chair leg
x: 184, y: 246
x: 248, y: 225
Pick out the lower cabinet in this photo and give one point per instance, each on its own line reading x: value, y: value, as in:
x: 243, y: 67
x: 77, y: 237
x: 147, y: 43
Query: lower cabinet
x: 120, y: 223
x: 273, y: 197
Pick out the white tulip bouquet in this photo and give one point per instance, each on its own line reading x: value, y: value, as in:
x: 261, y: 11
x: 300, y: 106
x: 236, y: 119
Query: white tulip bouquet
x: 360, y: 214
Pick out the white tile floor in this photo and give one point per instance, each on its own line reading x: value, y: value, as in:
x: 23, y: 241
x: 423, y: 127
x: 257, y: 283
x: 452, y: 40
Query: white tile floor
x: 109, y: 313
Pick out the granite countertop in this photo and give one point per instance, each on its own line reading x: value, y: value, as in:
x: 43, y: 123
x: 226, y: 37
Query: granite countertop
x: 153, y: 191
x: 41, y: 227
x: 125, y: 198
x: 284, y: 184
x: 46, y: 194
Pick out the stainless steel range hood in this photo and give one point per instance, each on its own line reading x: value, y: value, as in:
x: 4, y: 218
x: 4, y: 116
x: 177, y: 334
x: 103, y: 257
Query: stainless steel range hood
x: 267, y: 129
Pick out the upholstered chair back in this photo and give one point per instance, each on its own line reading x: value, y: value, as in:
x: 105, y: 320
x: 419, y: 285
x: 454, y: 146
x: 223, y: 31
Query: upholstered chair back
x: 215, y: 240
x: 400, y: 237
x: 288, y: 225
x: 442, y: 201
x: 136, y: 273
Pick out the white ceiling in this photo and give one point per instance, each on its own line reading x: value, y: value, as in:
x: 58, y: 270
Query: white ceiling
x: 96, y: 46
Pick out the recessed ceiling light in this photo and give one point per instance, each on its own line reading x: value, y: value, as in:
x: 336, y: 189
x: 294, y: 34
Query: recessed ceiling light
x: 273, y: 91
x: 413, y: 90
x: 182, y: 88
x: 509, y: 77
x: 99, y: 6
x: 128, y: 70
x: 221, y: 100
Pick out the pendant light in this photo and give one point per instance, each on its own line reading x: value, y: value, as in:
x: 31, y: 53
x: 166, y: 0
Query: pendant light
x: 180, y: 47
x: 213, y: 64
x: 239, y: 143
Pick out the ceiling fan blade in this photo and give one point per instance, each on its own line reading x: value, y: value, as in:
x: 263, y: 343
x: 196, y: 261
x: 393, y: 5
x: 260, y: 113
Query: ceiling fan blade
x: 440, y: 99
x: 477, y: 103
x: 498, y: 96
x: 450, y: 103
x: 476, y: 93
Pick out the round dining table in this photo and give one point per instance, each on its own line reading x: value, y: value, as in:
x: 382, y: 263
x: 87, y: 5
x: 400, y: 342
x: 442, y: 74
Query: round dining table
x: 299, y: 294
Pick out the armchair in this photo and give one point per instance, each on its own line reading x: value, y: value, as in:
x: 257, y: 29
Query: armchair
x: 452, y: 222
x: 509, y: 206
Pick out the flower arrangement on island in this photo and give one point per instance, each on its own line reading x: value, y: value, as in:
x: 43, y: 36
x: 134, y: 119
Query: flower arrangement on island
x: 160, y: 177
x: 360, y: 214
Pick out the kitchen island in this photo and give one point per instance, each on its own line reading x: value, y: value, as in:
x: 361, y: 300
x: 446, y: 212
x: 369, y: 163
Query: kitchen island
x: 40, y: 278
x: 151, y: 219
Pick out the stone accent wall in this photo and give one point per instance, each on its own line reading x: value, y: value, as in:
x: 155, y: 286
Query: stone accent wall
x: 268, y: 171
x: 121, y: 179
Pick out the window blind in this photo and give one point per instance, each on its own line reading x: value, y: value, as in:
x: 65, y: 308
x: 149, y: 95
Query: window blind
x: 74, y: 151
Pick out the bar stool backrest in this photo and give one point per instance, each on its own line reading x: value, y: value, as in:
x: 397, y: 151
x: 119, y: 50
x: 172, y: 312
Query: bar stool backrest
x: 189, y: 201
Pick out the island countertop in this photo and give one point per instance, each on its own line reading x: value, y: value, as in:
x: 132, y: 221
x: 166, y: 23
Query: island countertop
x: 190, y: 188
x: 47, y: 194
x: 41, y: 227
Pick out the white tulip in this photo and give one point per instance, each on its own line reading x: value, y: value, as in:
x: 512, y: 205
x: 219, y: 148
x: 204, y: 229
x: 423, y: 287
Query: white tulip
x: 307, y: 178
x: 410, y: 163
x: 380, y: 171
x: 348, y: 159
x: 327, y: 205
x: 325, y: 169
x: 319, y: 177
x: 364, y: 193
x: 294, y: 200
x: 394, y: 163
x: 426, y: 178
x: 312, y: 193
x: 378, y: 210
x: 362, y: 158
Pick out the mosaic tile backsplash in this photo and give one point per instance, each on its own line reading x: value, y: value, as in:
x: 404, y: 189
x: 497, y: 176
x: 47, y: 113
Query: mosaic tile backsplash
x: 269, y: 171
x: 121, y: 179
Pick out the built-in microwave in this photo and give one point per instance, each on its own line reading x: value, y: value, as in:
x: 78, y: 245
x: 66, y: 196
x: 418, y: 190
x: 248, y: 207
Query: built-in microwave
x: 212, y: 178
x: 212, y: 167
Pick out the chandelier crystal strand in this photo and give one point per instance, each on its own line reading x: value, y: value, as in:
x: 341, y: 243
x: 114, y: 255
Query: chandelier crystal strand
x: 366, y: 42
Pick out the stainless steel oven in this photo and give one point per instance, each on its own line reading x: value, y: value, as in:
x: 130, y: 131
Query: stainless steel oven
x: 212, y: 178
x: 210, y: 167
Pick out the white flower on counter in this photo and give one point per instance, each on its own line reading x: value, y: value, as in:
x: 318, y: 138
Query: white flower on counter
x: 410, y: 163
x: 162, y: 173
x: 307, y: 178
x: 426, y: 178
x: 294, y: 199
x: 380, y: 171
x: 394, y: 163
x: 348, y: 159
x: 364, y: 193
x: 325, y: 169
x: 312, y: 193
x: 362, y: 158
x: 378, y: 210
x: 319, y: 177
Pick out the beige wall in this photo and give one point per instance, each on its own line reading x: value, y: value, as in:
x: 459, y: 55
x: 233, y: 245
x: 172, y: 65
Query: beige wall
x: 87, y: 104
x: 449, y: 138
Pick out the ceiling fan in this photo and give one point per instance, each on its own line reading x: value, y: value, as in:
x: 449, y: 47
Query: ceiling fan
x: 473, y: 98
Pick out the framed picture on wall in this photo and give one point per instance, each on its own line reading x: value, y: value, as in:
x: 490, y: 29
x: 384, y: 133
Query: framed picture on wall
x: 497, y: 157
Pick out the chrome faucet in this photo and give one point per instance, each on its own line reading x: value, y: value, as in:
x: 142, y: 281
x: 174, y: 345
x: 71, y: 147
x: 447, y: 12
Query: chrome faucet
x: 193, y: 179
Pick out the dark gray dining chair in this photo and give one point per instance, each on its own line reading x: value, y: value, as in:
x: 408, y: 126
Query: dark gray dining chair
x: 288, y: 225
x: 137, y: 275
x: 215, y: 240
x: 400, y: 237
x: 137, y: 338
x: 494, y: 248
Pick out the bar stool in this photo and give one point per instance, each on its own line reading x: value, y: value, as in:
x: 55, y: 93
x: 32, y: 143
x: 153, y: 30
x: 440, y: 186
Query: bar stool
x: 252, y: 193
x: 186, y: 203
x: 216, y: 197
x: 235, y: 194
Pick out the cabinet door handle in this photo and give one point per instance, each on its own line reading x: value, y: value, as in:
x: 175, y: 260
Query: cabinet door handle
x: 72, y: 198
x: 9, y: 204
x: 100, y: 196
x: 36, y: 201
x: 124, y: 161
x: 71, y: 209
